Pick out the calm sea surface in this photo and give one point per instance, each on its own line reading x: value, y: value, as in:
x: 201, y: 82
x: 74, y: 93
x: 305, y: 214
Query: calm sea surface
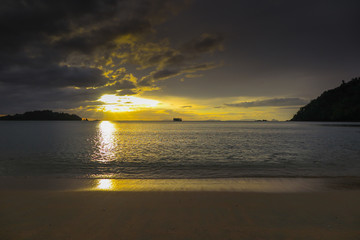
x: 179, y: 149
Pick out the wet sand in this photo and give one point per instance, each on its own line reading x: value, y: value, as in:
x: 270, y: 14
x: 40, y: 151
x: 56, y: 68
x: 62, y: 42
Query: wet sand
x: 91, y: 214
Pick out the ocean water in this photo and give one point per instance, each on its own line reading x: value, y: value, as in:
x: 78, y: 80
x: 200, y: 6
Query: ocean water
x: 183, y: 150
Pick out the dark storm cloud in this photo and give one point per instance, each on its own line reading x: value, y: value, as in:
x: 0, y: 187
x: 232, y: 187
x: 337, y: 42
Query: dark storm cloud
x: 206, y: 43
x: 51, y: 29
x: 102, y: 37
x: 121, y: 85
x: 200, y: 67
x: 54, y: 54
x: 275, y: 102
x: 172, y: 61
x: 38, y: 35
x: 31, y: 24
x: 163, y: 74
x: 53, y: 76
x: 174, y: 72
x: 75, y: 24
x: 175, y: 59
x: 159, y: 75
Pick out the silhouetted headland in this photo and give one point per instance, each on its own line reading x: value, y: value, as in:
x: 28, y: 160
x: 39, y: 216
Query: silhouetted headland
x: 338, y: 104
x: 42, y: 115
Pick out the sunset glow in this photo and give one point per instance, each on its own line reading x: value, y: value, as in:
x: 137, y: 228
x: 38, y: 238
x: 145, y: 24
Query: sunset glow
x: 107, y: 60
x: 113, y: 103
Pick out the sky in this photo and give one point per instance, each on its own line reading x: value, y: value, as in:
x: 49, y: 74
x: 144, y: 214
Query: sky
x: 157, y: 59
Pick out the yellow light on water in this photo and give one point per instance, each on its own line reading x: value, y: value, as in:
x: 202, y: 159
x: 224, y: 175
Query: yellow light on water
x: 107, y: 129
x: 106, y: 142
x: 115, y: 103
x: 104, y: 184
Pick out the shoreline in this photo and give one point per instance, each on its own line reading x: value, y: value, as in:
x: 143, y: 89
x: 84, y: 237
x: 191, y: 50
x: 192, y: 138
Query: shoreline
x: 246, y: 184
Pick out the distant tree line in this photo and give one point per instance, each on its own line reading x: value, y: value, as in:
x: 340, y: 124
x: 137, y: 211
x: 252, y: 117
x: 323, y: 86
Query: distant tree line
x: 42, y: 115
x: 338, y: 104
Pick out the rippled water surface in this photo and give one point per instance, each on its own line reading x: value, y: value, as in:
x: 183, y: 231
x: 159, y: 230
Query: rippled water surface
x: 179, y: 149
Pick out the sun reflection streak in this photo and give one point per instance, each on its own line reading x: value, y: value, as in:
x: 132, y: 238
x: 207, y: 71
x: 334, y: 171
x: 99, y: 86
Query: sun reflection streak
x: 106, y: 129
x: 104, y: 184
x: 106, y: 144
x: 222, y: 184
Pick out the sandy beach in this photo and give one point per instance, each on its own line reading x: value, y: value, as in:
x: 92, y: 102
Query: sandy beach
x: 68, y: 214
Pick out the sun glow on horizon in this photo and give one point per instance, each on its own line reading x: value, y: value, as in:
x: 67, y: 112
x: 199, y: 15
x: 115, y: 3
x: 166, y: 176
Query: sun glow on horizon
x: 113, y: 103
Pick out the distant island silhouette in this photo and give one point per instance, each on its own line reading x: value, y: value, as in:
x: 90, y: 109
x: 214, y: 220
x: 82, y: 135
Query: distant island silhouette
x: 338, y: 104
x: 42, y: 115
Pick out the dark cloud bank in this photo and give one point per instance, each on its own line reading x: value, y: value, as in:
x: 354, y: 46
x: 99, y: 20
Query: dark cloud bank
x: 66, y: 54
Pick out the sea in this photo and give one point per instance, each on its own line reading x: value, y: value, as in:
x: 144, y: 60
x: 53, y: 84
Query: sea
x: 178, y: 150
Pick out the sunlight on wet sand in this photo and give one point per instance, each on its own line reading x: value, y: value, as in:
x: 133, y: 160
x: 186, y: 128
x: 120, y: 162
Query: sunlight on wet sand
x: 212, y: 209
x: 233, y: 185
x: 266, y: 185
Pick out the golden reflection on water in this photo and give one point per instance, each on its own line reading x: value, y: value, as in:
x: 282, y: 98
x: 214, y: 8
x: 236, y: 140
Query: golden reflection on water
x: 104, y: 184
x: 122, y: 185
x: 106, y: 144
x: 235, y: 185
